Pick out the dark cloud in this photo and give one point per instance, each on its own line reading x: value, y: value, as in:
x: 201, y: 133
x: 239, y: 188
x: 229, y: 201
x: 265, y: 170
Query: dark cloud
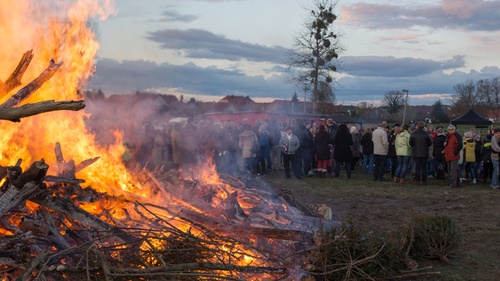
x: 419, y: 76
x: 173, y: 15
x: 397, y: 67
x: 123, y: 77
x: 202, y: 44
x: 447, y: 14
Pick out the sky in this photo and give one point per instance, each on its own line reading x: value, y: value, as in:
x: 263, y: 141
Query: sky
x: 208, y: 49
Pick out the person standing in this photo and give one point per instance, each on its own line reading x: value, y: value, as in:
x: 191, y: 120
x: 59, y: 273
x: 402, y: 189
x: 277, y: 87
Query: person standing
x: 452, y: 148
x: 420, y: 141
x: 263, y: 153
x: 391, y: 154
x: 380, y: 150
x: 403, y: 152
x: 331, y: 129
x: 367, y: 150
x: 322, y: 151
x: 275, y: 137
x: 437, y: 152
x: 342, y: 153
x: 355, y: 147
x: 302, y: 156
x: 289, y: 144
x: 495, y: 150
x: 249, y: 145
x: 486, y: 159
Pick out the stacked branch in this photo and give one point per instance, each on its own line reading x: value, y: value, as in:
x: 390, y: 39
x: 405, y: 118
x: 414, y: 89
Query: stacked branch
x: 147, y: 246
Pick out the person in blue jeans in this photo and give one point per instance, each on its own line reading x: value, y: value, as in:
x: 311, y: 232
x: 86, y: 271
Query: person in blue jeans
x: 403, y: 152
x: 367, y: 150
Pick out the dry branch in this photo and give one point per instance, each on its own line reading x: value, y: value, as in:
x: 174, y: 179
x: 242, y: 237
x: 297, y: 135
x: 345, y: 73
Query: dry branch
x: 15, y: 78
x: 34, y: 85
x: 15, y: 114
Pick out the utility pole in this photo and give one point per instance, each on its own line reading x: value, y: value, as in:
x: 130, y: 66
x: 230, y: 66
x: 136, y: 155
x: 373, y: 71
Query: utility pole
x: 406, y: 102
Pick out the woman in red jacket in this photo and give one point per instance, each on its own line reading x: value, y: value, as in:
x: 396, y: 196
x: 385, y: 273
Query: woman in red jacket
x: 452, y: 148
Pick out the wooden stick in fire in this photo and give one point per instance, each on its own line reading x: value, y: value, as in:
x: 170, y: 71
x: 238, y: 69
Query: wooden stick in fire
x: 34, y: 85
x: 15, y: 78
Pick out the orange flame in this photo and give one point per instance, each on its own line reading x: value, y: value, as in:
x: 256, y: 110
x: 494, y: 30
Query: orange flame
x: 63, y: 37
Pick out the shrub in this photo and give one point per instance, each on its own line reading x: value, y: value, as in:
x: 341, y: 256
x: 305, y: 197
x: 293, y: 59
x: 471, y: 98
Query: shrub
x: 432, y: 237
x: 350, y: 254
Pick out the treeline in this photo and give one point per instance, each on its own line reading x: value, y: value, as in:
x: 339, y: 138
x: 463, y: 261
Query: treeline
x: 482, y: 96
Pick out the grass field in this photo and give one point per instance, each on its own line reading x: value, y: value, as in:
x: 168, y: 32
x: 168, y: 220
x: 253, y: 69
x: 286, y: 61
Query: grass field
x: 386, y: 206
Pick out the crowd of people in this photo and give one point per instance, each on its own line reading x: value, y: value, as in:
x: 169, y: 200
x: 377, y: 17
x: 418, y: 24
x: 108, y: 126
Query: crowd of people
x: 407, y: 153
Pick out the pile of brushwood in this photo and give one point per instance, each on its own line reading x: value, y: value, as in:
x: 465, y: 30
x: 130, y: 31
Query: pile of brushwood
x: 349, y: 254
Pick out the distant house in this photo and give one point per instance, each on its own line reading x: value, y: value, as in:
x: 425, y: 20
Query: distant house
x: 234, y: 103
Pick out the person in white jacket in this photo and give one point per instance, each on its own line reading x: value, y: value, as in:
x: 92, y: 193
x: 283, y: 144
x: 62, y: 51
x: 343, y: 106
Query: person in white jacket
x: 380, y: 150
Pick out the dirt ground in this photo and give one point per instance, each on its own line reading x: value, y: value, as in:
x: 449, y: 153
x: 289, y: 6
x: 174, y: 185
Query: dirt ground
x: 386, y: 206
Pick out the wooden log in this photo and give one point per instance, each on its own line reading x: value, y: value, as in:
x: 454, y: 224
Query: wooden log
x: 34, y: 85
x: 15, y: 78
x: 27, y: 185
x: 85, y: 163
x: 15, y: 114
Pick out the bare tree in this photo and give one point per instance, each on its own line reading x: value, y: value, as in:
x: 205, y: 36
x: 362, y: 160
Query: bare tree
x: 467, y: 97
x: 492, y: 96
x: 316, y: 51
x: 393, y: 102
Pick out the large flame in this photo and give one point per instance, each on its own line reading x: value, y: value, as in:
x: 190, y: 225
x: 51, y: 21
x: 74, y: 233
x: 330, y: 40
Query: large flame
x: 61, y: 31
x: 58, y: 30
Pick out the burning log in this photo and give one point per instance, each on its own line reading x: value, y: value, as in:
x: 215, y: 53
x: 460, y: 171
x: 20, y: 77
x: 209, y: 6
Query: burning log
x: 14, y: 114
x: 69, y: 209
x: 22, y: 188
x: 8, y: 111
x: 15, y: 78
x: 34, y: 85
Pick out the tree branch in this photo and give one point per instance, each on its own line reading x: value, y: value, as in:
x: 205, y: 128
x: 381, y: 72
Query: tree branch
x: 15, y: 78
x: 14, y: 114
x: 33, y: 85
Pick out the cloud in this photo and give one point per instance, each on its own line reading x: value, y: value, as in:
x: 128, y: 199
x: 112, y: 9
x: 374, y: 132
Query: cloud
x: 173, y: 15
x: 478, y: 15
x: 421, y: 77
x: 123, y: 77
x: 376, y: 66
x: 202, y: 44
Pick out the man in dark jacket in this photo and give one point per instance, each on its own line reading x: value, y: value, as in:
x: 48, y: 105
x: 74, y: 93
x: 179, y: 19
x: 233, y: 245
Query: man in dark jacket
x: 302, y: 156
x: 420, y: 141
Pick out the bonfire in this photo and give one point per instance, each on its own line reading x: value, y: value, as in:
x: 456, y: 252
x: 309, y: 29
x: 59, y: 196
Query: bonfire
x: 71, y: 210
